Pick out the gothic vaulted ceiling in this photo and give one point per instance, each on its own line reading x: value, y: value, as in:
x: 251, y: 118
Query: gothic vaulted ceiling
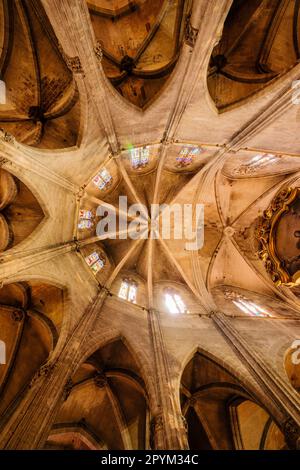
x: 260, y: 42
x: 215, y: 122
x: 140, y: 43
x: 42, y: 108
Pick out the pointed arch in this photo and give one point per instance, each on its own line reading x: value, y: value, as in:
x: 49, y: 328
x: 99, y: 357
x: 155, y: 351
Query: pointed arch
x: 131, y: 38
x: 208, y: 390
x: 109, y: 395
x: 259, y: 45
x: 31, y: 317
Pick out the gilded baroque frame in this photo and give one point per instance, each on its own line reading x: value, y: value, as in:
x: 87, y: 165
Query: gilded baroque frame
x: 266, y: 236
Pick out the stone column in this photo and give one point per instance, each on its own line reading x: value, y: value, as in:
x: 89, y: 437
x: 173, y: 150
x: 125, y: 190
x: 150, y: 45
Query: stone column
x: 168, y: 430
x: 29, y: 425
x: 283, y: 400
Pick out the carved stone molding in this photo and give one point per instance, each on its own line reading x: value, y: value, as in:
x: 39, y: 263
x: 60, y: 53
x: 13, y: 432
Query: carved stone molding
x: 18, y: 315
x: 184, y: 422
x: 98, y: 51
x: 73, y: 63
x: 191, y: 33
x: 68, y: 389
x: 79, y: 195
x: 266, y: 233
x: 156, y: 426
x: 244, y: 170
x: 44, y: 371
x: 233, y: 295
x: 229, y: 232
x: 100, y: 380
x: 3, y: 161
x: 192, y: 401
x: 6, y: 136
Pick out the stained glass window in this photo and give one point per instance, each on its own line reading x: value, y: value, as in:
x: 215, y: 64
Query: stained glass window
x: 86, y: 219
x: 95, y: 261
x: 140, y: 157
x: 123, y: 292
x: 84, y: 214
x: 187, y: 155
x: 103, y: 179
x: 85, y: 224
x: 128, y: 290
x: 97, y: 266
x: 174, y: 302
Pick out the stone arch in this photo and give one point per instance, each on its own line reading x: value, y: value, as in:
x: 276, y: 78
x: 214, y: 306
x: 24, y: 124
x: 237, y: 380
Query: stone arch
x: 208, y: 389
x: 48, y: 116
x: 31, y: 317
x: 125, y: 66
x: 74, y: 437
x: 108, y: 395
x: 235, y: 73
x: 21, y: 213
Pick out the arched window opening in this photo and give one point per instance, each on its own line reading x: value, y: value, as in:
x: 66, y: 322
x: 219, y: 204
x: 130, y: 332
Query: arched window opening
x: 128, y: 290
x: 246, y: 306
x: 187, y: 155
x: 95, y: 261
x: 174, y: 302
x: 140, y: 157
x: 103, y: 179
x: 86, y: 219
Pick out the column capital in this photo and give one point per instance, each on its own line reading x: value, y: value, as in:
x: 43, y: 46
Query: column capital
x: 98, y: 51
x: 100, y: 380
x: 44, y: 371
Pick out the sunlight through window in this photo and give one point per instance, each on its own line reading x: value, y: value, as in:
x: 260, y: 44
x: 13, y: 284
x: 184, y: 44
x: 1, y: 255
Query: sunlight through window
x: 140, y: 157
x: 128, y: 290
x: 174, y: 302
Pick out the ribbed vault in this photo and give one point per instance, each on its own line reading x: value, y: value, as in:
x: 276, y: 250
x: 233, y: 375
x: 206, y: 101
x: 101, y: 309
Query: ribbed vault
x: 42, y: 108
x: 140, y: 42
x: 234, y: 162
x: 31, y: 315
x: 107, y: 401
x: 260, y: 42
